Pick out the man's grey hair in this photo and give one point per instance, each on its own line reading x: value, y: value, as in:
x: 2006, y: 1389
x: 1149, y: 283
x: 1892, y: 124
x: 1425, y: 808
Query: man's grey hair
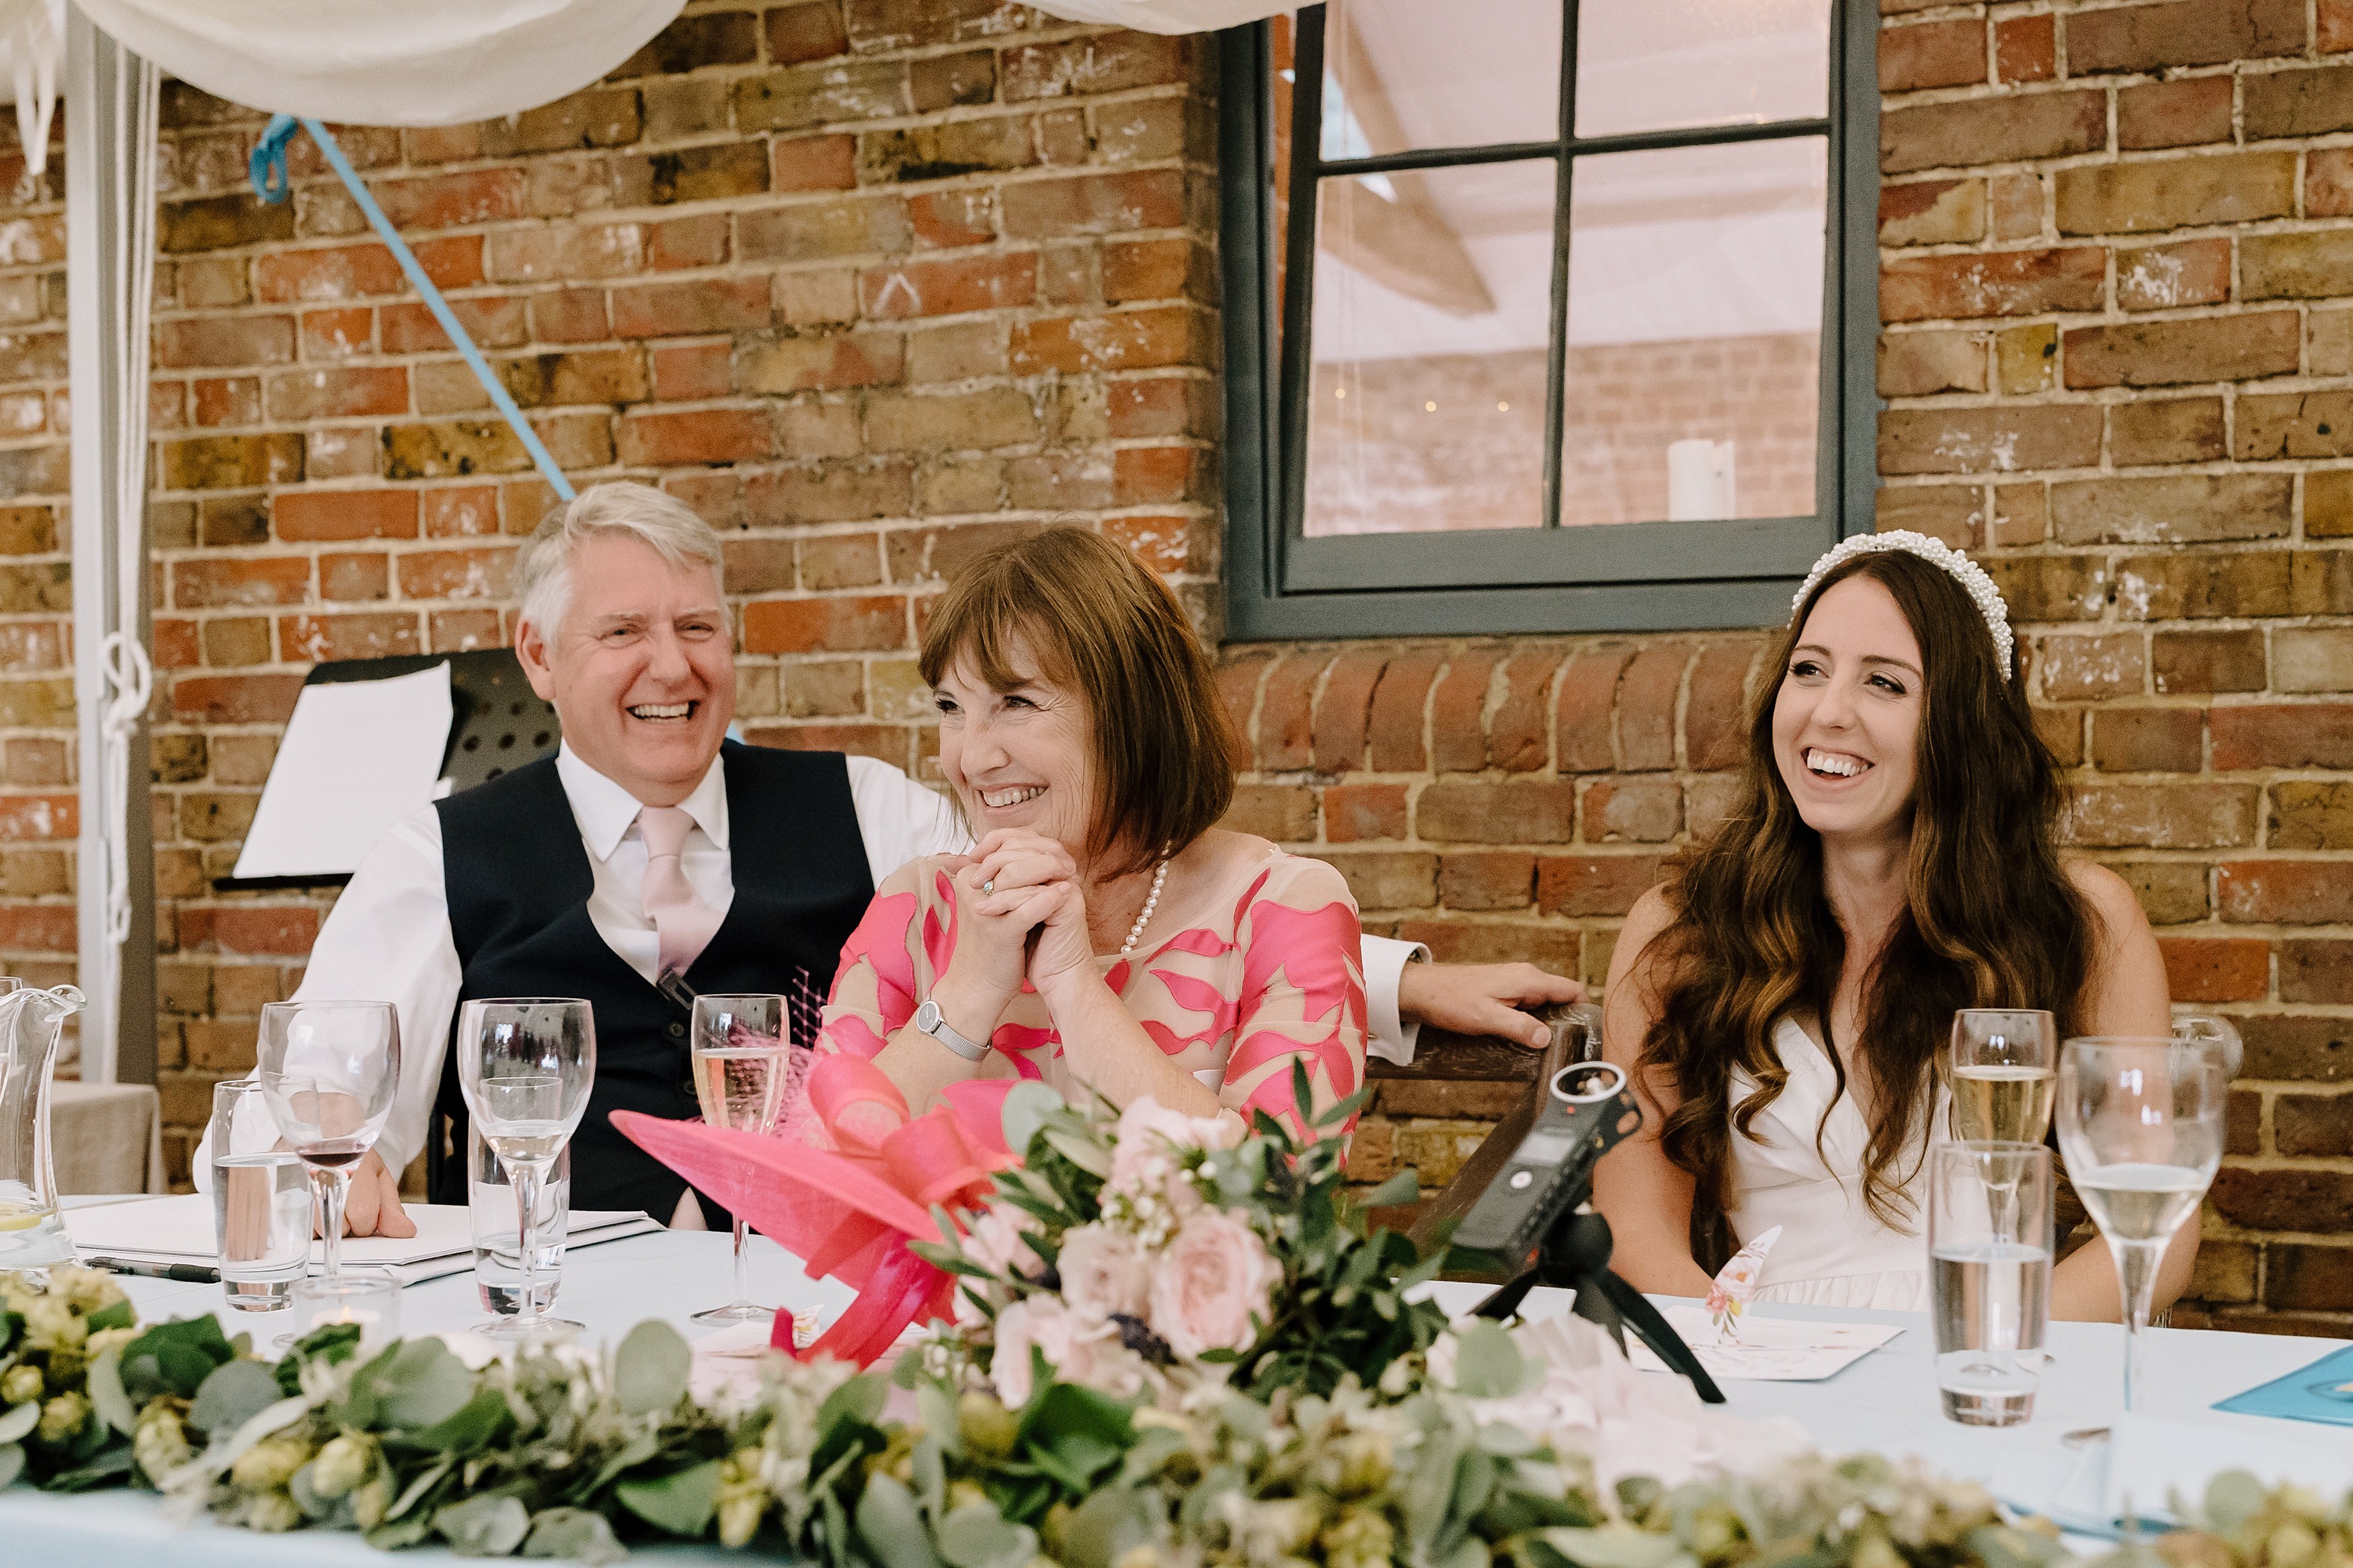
x: 666, y: 524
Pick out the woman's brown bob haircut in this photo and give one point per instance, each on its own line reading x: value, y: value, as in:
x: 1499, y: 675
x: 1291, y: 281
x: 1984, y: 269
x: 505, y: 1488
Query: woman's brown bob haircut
x: 1102, y: 626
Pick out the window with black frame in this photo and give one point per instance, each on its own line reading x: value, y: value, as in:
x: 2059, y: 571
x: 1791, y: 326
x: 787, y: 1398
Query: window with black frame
x: 1545, y: 316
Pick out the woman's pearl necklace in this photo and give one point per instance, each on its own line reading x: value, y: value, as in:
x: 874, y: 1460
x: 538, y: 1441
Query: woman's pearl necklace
x: 1151, y: 902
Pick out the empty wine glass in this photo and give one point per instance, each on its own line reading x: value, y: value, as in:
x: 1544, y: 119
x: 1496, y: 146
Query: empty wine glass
x: 526, y: 1065
x: 743, y: 1068
x: 2140, y: 1123
x: 329, y: 1070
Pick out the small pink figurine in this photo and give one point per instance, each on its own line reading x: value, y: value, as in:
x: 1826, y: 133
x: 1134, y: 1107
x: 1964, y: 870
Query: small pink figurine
x: 1729, y: 1297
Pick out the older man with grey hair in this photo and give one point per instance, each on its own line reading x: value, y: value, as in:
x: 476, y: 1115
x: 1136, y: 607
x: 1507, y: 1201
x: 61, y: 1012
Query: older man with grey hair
x: 652, y: 859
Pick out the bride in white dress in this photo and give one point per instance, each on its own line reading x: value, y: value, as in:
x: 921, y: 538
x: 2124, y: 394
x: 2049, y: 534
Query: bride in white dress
x: 1892, y: 857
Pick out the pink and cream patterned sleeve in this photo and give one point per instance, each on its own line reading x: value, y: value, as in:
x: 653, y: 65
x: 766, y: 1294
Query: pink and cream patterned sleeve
x: 876, y: 988
x: 1302, y: 994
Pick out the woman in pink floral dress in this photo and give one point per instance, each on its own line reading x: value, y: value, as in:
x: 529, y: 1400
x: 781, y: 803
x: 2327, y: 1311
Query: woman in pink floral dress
x: 1103, y: 933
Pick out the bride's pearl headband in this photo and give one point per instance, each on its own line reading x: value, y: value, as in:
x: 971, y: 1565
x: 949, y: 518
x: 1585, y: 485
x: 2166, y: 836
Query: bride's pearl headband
x: 1937, y: 553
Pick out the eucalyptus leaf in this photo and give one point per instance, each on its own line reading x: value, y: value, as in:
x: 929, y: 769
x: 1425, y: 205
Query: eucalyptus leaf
x: 575, y: 1533
x: 424, y: 1482
x: 680, y: 1502
x: 477, y: 1423
x: 484, y: 1526
x: 1105, y: 1527
x: 650, y: 1369
x: 2233, y: 1498
x: 394, y: 1535
x: 233, y: 1394
x: 106, y: 1394
x: 113, y: 1315
x: 931, y: 1473
x: 1615, y: 1546
x: 977, y: 1536
x: 891, y: 1526
x: 12, y: 1463
x: 422, y: 1385
x: 104, y: 1469
x: 1487, y: 1363
x: 20, y: 1420
x: 220, y: 1453
x: 1026, y: 1106
x: 1086, y: 1155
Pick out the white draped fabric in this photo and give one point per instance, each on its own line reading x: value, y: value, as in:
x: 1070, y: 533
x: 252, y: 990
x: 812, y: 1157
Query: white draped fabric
x: 1165, y: 15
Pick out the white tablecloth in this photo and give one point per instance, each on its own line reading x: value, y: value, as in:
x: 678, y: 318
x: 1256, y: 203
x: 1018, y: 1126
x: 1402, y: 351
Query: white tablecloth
x: 109, y: 1137
x: 1885, y: 1402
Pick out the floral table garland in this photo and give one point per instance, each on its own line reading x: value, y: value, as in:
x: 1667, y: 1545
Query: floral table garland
x: 1175, y: 1347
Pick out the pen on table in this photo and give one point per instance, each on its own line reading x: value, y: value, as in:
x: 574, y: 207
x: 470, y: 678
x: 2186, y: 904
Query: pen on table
x: 185, y: 1273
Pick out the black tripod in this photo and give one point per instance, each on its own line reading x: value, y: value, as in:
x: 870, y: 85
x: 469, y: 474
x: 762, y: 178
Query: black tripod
x: 1574, y: 1255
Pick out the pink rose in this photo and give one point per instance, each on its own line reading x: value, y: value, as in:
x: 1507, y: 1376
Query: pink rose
x: 1209, y: 1282
x: 997, y: 1239
x: 1104, y: 1273
x: 1150, y: 1137
x: 1034, y: 1320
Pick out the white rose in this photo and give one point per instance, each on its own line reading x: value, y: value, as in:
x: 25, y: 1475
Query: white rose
x: 1104, y: 1273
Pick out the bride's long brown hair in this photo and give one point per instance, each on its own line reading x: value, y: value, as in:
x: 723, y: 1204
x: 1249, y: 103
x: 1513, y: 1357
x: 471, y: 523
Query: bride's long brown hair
x: 1991, y: 916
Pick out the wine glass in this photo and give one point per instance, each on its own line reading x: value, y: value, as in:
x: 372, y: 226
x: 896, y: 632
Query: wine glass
x: 2140, y: 1123
x: 526, y: 1065
x: 329, y: 1070
x: 2004, y: 1068
x: 743, y: 1064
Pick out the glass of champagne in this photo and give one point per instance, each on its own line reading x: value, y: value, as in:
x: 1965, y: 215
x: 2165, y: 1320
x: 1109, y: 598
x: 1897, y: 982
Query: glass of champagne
x: 329, y: 1070
x: 2004, y: 1069
x: 2140, y: 1124
x: 526, y: 1065
x: 743, y: 1066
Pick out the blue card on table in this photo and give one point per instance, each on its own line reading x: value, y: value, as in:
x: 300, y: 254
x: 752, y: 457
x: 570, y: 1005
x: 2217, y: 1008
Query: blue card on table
x: 2321, y: 1392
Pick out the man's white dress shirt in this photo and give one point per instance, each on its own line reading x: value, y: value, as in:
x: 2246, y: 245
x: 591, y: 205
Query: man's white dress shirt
x: 388, y: 938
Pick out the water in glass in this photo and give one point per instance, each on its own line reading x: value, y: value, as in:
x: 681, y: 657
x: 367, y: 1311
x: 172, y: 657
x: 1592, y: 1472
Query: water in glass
x: 497, y: 1243
x: 526, y: 1065
x: 1990, y: 1247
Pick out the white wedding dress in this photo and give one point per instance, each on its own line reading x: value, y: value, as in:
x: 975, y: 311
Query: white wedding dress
x: 1833, y: 1250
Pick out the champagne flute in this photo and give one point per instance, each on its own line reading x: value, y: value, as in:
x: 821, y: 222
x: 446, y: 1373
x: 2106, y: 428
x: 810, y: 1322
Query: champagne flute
x: 329, y: 1070
x: 526, y: 1065
x: 2140, y: 1123
x: 742, y: 1064
x: 2003, y: 1073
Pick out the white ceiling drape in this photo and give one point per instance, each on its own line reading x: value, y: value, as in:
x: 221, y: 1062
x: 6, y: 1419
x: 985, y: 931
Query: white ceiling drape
x: 1166, y: 15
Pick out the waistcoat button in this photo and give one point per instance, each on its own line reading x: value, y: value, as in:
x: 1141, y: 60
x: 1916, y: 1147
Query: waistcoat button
x: 677, y: 1031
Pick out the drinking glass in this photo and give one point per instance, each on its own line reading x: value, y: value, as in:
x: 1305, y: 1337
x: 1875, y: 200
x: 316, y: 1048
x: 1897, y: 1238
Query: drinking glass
x: 2004, y: 1068
x: 261, y: 1200
x: 329, y: 1070
x: 2140, y: 1124
x: 1989, y: 1246
x: 497, y: 1246
x: 743, y: 1070
x: 526, y: 1065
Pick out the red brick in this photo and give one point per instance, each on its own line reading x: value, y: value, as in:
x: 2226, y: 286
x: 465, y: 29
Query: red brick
x: 2284, y: 735
x: 1933, y: 54
x: 476, y: 574
x: 2024, y: 48
x: 2147, y: 740
x: 351, y: 393
x: 207, y: 583
x: 313, y: 515
x: 2216, y: 969
x: 459, y: 511
x: 1458, y: 713
x: 1582, y: 719
x: 1519, y: 812
x: 38, y: 928
x: 461, y: 631
x: 1354, y: 813
x: 225, y: 340
x: 286, y: 930
x: 1117, y: 341
x: 703, y: 436
x: 318, y: 638
x: 2317, y: 969
x: 226, y: 400
x: 1715, y: 730
x: 492, y: 322
x: 446, y: 200
x: 2174, y: 113
x: 1396, y: 720
x: 2285, y: 893
x: 1285, y: 724
x: 701, y: 240
x: 1093, y: 203
x: 2159, y: 277
x: 688, y: 372
x: 948, y: 218
x: 1149, y: 476
x: 39, y: 816
x: 1490, y: 879
x: 1579, y: 885
x: 1517, y: 740
x: 1992, y: 130
x: 683, y: 310
x: 948, y: 287
x: 815, y: 164
x: 825, y: 625
x: 347, y: 576
x: 1341, y: 710
x: 2164, y: 817
x: 1992, y: 283
x: 235, y: 699
x: 336, y: 272
x: 1646, y: 706
x: 798, y: 33
x: 1642, y: 811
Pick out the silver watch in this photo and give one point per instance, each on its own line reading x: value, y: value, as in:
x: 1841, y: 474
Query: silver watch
x: 929, y: 1020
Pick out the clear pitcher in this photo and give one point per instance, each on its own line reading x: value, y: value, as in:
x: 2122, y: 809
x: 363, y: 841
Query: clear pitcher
x: 31, y: 1234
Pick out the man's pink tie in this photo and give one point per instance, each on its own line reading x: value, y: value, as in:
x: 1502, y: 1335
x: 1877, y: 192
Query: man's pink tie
x: 684, y: 921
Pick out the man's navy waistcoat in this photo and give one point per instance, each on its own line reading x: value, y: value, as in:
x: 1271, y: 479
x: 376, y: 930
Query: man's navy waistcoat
x: 519, y: 882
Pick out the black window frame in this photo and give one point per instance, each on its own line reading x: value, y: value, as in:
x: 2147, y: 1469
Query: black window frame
x: 1618, y: 577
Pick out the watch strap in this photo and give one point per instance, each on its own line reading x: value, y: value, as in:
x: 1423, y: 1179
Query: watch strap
x: 930, y: 1020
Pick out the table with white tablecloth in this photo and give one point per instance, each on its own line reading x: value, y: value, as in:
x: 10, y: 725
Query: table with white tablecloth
x: 106, y: 1137
x: 1885, y: 1402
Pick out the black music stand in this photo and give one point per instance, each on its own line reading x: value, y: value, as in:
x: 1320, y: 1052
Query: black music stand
x: 497, y: 724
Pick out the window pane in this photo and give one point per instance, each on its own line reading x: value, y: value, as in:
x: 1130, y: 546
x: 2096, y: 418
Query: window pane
x: 1646, y: 65
x: 1400, y: 74
x: 1694, y: 332
x: 1431, y: 318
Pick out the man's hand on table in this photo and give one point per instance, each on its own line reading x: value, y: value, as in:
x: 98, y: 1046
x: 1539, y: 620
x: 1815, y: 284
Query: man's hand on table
x: 371, y: 1208
x: 1485, y: 998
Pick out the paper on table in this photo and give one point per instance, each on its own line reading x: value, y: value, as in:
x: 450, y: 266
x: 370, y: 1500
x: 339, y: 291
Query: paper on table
x: 181, y: 1228
x: 357, y: 756
x: 1771, y: 1349
x: 2143, y: 1462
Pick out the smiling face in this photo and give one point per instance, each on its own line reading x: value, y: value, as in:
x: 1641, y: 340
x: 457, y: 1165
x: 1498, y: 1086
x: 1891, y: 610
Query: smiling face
x: 1020, y: 757
x: 641, y: 666
x: 1846, y: 718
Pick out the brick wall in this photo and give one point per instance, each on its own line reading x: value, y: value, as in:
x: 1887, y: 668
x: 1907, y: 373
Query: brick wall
x: 871, y: 282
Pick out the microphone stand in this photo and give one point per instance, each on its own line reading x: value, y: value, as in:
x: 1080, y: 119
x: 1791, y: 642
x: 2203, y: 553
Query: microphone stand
x: 1575, y: 1256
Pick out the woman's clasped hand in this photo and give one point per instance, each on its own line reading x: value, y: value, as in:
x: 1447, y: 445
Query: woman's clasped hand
x: 1021, y: 912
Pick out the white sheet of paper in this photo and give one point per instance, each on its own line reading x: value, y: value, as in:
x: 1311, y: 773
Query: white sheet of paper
x: 358, y: 757
x: 1772, y: 1350
x: 181, y: 1228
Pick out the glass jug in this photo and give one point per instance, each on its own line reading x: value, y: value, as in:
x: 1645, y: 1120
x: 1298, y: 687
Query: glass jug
x: 31, y: 1234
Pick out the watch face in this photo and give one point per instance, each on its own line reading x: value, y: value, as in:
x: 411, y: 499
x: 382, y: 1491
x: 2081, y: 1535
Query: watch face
x: 927, y: 1016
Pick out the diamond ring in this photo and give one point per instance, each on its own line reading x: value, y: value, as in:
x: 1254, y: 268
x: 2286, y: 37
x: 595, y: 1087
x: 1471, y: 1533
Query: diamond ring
x: 989, y: 886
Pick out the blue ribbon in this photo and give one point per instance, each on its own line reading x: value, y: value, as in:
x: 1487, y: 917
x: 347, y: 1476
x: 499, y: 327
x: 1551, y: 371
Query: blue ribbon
x: 267, y: 168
